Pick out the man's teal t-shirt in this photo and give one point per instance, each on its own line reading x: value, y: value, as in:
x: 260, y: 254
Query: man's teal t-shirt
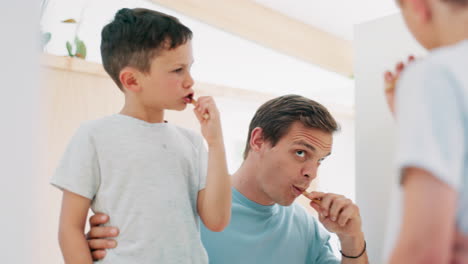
x: 274, y: 234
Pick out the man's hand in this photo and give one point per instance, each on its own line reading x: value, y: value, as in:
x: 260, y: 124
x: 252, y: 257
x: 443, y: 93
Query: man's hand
x: 340, y: 215
x: 98, y: 236
x: 391, y: 79
x: 337, y: 213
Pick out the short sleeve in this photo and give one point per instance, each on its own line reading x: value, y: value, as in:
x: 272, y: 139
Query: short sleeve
x: 320, y: 249
x: 202, y: 161
x: 78, y: 170
x: 430, y: 123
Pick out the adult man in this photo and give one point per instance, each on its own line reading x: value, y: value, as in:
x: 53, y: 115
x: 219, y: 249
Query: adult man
x: 288, y: 138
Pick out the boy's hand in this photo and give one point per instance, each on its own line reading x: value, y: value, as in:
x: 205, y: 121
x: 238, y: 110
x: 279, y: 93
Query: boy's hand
x: 211, y: 126
x: 98, y: 236
x: 390, y: 83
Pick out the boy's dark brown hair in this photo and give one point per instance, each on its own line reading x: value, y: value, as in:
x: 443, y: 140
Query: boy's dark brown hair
x: 135, y: 37
x: 276, y: 117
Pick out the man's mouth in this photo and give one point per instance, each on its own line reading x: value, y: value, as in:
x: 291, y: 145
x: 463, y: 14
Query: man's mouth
x: 298, y: 190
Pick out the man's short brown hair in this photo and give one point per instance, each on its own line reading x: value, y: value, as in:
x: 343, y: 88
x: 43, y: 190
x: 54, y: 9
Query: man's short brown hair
x: 276, y: 116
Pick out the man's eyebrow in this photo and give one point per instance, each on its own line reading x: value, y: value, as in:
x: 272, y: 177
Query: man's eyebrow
x: 307, y: 145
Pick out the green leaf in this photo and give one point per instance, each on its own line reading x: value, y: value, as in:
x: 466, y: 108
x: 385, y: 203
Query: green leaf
x: 69, y: 49
x: 77, y: 40
x: 80, y: 48
x: 45, y: 38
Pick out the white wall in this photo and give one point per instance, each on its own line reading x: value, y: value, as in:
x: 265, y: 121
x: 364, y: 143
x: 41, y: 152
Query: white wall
x: 220, y: 57
x: 18, y: 116
x: 379, y: 45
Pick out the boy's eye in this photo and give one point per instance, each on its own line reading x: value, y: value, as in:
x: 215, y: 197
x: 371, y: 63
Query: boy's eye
x: 300, y: 153
x: 178, y: 70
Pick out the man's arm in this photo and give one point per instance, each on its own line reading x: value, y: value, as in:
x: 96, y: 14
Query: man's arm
x: 340, y: 215
x: 428, y: 227
x: 71, y: 231
x: 353, y: 246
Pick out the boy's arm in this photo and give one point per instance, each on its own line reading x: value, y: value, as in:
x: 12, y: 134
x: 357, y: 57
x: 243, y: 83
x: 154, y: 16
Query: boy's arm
x: 214, y: 201
x: 428, y: 227
x: 461, y: 248
x: 71, y: 231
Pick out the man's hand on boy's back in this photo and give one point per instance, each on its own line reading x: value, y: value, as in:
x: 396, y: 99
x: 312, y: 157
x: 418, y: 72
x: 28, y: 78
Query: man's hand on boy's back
x: 391, y: 79
x: 208, y: 115
x: 99, y: 236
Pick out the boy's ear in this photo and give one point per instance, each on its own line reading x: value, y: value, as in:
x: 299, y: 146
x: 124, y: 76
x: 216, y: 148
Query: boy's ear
x: 422, y: 9
x: 129, y: 78
x: 256, y: 139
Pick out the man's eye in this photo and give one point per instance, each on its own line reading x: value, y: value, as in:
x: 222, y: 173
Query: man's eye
x: 300, y: 153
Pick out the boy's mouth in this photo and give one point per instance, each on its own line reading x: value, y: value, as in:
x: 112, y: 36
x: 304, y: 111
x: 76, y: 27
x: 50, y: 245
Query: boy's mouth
x: 189, y: 98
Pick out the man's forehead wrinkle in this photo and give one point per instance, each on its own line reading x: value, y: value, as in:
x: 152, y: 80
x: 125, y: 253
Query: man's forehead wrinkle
x: 301, y: 136
x: 304, y: 143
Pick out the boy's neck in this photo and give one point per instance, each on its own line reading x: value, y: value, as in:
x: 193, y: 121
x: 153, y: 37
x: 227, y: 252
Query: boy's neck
x: 458, y: 31
x: 455, y: 38
x: 143, y: 113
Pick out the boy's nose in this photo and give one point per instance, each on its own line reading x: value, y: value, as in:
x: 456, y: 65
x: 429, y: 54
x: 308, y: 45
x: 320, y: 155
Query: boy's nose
x: 188, y: 82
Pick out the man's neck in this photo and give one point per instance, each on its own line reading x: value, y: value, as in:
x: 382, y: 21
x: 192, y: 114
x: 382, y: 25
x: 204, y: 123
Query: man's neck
x: 245, y: 181
x: 137, y: 110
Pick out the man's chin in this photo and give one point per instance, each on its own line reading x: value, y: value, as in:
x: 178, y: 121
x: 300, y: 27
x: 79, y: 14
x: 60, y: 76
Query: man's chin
x: 286, y: 202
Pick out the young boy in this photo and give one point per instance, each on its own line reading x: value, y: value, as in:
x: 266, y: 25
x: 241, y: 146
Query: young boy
x: 154, y: 179
x: 432, y: 117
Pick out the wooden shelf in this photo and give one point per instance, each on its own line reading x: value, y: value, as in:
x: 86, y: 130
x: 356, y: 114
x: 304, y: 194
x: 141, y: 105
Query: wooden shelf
x: 66, y: 63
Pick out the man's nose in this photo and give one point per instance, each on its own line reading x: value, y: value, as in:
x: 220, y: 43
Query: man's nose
x: 310, y: 172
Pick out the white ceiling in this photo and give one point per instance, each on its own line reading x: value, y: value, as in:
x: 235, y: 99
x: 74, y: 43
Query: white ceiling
x: 333, y: 16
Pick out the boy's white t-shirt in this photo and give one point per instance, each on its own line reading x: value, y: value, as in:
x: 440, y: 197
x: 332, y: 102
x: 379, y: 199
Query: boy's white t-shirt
x: 146, y: 177
x: 432, y: 118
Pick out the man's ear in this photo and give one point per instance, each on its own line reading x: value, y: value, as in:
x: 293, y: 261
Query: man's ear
x: 422, y: 9
x: 256, y: 139
x: 130, y: 79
